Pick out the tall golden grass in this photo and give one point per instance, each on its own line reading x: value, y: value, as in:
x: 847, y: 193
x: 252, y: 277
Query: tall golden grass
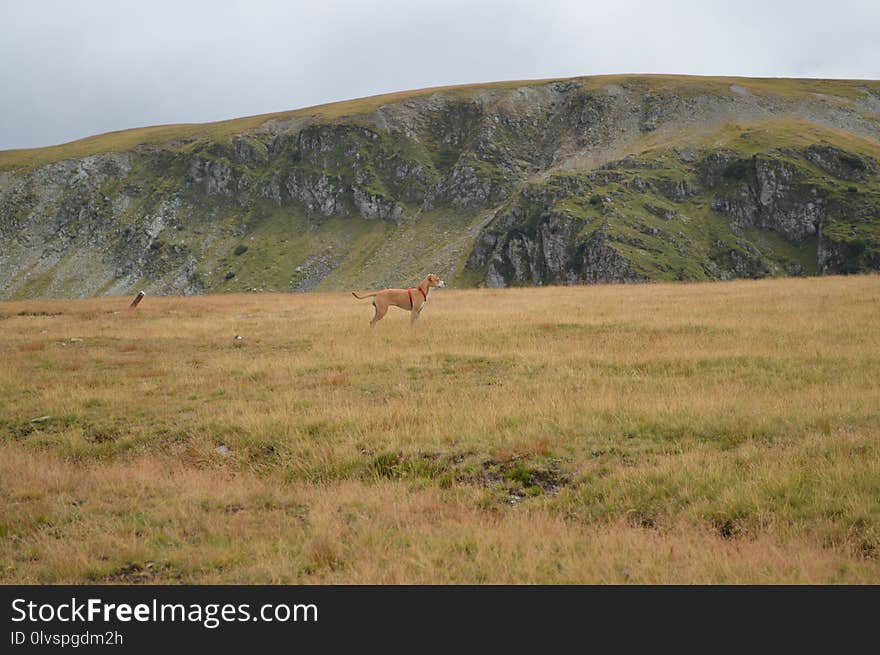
x: 723, y: 432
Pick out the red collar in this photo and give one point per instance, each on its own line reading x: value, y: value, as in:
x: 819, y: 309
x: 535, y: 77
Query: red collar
x: 409, y: 293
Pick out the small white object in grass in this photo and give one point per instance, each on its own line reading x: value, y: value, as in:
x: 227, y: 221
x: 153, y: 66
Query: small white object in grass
x: 223, y: 450
x: 238, y: 337
x: 40, y: 419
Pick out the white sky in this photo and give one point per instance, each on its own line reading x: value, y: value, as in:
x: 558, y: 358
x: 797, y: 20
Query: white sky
x: 72, y: 68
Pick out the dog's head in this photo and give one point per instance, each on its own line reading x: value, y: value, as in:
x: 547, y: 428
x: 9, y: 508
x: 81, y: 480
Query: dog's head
x: 435, y: 281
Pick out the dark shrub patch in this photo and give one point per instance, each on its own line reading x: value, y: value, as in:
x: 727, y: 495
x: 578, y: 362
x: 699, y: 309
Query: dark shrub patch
x: 738, y: 169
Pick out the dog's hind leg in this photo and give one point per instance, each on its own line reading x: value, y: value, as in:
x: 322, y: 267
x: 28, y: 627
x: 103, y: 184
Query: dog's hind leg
x: 380, y: 308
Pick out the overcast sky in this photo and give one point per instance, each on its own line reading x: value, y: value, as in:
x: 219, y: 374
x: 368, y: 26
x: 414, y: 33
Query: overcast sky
x: 73, y: 68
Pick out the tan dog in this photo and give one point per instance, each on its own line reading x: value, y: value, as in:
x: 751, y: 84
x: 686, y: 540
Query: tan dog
x: 413, y: 299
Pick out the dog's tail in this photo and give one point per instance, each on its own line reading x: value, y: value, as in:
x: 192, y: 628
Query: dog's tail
x: 365, y: 296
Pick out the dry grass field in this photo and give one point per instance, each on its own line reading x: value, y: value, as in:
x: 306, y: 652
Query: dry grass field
x: 663, y: 433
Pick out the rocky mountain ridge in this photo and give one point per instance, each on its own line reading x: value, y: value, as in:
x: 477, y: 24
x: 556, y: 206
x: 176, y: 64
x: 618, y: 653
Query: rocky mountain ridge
x: 603, y: 179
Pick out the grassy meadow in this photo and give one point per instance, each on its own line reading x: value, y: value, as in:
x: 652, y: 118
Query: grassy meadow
x: 662, y: 433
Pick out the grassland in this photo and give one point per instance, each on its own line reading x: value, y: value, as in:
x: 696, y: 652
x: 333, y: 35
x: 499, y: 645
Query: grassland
x: 662, y: 433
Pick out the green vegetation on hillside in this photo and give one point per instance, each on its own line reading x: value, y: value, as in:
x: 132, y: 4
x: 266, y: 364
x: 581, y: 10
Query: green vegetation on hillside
x: 608, y: 178
x: 189, y: 133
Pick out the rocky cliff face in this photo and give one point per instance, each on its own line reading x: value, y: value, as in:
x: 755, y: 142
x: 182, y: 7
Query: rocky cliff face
x: 563, y: 182
x: 716, y: 215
